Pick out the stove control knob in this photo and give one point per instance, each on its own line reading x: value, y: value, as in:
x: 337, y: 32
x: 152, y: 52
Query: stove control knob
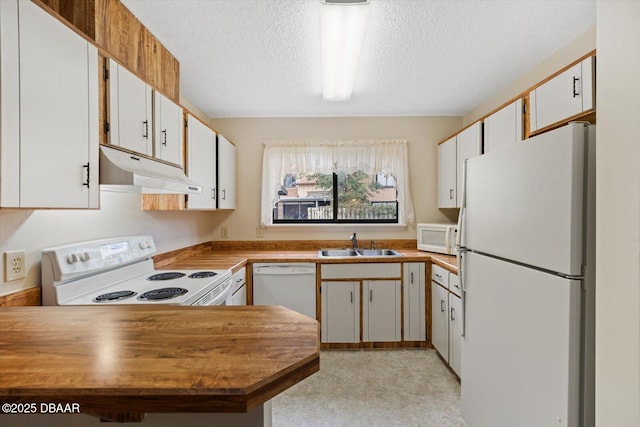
x: 73, y: 258
x: 143, y: 245
x: 84, y: 256
x: 149, y: 244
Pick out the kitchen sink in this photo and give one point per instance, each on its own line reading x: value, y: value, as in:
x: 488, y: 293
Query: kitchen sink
x: 377, y: 252
x: 339, y: 253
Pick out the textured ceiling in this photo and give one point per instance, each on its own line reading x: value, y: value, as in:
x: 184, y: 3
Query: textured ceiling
x: 261, y: 58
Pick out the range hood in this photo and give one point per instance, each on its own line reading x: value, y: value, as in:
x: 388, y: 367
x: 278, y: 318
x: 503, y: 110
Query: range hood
x: 127, y: 173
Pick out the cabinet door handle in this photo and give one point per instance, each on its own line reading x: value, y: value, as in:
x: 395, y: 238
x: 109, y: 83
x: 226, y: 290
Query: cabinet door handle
x: 370, y: 295
x: 575, y: 92
x: 134, y: 158
x: 351, y: 297
x: 452, y: 317
x: 411, y: 277
x: 451, y: 194
x: 145, y: 135
x: 441, y: 306
x: 224, y: 194
x: 86, y: 183
x: 164, y: 137
x: 213, y: 193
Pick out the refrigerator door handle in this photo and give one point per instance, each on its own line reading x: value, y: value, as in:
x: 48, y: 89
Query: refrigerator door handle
x: 463, y: 289
x: 463, y: 205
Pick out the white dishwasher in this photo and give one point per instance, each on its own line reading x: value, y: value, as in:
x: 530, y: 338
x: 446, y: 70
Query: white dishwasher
x: 292, y: 285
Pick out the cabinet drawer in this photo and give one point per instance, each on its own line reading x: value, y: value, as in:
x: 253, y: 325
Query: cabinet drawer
x: 440, y: 275
x: 360, y: 271
x: 454, y: 284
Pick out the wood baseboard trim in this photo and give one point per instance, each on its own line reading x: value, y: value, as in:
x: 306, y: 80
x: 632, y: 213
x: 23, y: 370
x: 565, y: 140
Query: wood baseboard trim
x: 23, y: 297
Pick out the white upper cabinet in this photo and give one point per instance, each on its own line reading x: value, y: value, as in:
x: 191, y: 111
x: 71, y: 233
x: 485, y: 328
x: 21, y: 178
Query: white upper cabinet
x: 201, y: 163
x: 564, y: 96
x: 49, y: 145
x: 504, y: 127
x: 469, y: 144
x: 226, y: 174
x: 168, y: 129
x: 130, y: 110
x: 447, y: 174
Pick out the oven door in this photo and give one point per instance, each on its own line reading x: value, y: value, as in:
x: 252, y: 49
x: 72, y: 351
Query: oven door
x: 220, y: 295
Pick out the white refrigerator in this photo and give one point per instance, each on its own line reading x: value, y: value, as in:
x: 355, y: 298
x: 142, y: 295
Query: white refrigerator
x: 527, y: 271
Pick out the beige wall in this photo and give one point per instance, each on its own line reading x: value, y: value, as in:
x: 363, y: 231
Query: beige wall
x: 120, y: 214
x: 423, y: 134
x: 618, y: 215
x: 579, y: 47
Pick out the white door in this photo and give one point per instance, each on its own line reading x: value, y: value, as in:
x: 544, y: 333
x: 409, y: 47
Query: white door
x: 525, y: 203
x: 564, y: 96
x: 440, y: 319
x: 226, y: 174
x: 381, y: 310
x: 130, y: 104
x: 414, y: 302
x: 521, y: 348
x: 447, y: 174
x: 340, y: 312
x: 455, y: 333
x: 169, y: 131
x: 58, y: 114
x: 201, y: 163
x: 469, y: 144
x: 504, y: 127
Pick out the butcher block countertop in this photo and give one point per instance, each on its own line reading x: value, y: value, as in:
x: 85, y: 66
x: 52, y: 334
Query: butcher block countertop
x: 235, y: 259
x: 119, y: 361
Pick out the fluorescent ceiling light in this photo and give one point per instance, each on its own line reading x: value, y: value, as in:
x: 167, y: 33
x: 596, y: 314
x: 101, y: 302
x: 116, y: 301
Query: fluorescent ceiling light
x: 342, y: 25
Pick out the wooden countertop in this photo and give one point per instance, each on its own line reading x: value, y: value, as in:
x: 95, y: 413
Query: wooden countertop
x: 139, y: 359
x: 236, y: 259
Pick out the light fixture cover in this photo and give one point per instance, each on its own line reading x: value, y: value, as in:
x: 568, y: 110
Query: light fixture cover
x: 343, y: 24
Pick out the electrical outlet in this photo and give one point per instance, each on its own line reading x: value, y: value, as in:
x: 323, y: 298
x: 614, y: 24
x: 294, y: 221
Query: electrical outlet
x: 260, y: 232
x: 224, y: 232
x: 14, y: 265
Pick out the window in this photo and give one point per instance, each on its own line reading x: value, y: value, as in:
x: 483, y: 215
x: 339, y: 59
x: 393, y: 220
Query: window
x: 345, y: 182
x: 337, y: 197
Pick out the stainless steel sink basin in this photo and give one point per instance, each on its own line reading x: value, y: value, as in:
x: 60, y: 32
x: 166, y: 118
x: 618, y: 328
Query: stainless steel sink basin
x: 377, y: 252
x: 339, y: 253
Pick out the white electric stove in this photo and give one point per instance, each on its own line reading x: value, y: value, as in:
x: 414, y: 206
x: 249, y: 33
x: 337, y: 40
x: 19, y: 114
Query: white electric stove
x: 120, y: 271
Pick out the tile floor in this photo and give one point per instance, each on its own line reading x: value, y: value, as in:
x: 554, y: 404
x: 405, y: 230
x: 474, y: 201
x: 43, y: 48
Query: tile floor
x: 408, y: 387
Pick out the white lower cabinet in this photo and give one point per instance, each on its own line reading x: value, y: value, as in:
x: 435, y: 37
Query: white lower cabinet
x: 446, y: 322
x: 381, y: 310
x: 414, y: 301
x: 440, y: 319
x: 455, y: 333
x: 340, y: 312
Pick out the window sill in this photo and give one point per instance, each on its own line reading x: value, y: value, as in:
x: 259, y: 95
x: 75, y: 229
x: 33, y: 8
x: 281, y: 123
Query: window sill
x: 336, y: 227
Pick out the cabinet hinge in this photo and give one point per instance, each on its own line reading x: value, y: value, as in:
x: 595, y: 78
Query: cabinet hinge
x: 524, y: 108
x: 186, y: 198
x: 107, y: 127
x: 186, y: 123
x: 105, y: 73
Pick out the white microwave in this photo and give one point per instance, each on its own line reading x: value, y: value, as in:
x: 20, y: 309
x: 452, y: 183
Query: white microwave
x: 440, y: 238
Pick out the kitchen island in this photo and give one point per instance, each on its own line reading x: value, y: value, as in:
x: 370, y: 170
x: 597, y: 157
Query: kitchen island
x: 119, y: 363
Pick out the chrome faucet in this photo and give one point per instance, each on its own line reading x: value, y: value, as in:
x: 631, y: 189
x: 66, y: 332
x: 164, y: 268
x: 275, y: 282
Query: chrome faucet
x: 354, y: 241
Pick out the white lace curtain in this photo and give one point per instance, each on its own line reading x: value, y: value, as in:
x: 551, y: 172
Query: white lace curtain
x: 370, y: 156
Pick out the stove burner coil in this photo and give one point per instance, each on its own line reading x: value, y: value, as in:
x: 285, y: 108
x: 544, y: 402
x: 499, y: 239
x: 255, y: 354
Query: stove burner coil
x: 162, y: 294
x: 114, y: 296
x: 166, y: 276
x: 202, y: 274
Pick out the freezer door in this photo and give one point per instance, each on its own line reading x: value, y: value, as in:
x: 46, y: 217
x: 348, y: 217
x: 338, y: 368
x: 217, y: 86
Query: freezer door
x: 525, y: 203
x: 521, y: 348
